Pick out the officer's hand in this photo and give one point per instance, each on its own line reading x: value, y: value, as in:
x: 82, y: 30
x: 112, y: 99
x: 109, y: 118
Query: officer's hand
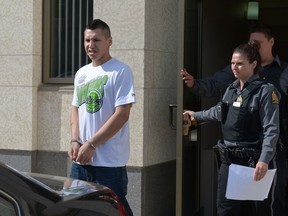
x: 191, y: 116
x: 190, y: 113
x: 260, y: 171
x: 188, y: 79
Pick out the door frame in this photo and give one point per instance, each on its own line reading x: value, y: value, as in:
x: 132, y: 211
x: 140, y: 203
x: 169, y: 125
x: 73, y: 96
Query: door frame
x: 179, y: 144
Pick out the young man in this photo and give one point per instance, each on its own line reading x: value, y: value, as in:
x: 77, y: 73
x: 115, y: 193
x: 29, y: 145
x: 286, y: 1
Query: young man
x: 103, y: 96
x: 274, y: 71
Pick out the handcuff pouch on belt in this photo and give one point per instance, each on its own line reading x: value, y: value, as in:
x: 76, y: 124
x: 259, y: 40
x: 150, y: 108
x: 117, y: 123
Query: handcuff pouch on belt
x: 229, y: 154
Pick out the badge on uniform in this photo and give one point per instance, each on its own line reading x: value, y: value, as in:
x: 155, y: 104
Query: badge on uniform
x: 238, y: 102
x: 275, y: 99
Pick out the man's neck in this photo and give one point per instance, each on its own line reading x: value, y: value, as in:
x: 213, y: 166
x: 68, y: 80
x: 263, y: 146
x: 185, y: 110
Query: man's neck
x: 101, y: 61
x: 268, y: 61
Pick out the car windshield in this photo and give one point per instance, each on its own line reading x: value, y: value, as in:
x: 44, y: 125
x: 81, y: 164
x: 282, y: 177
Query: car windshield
x: 62, y: 185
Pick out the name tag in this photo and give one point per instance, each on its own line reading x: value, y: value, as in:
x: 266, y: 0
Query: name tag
x: 236, y: 104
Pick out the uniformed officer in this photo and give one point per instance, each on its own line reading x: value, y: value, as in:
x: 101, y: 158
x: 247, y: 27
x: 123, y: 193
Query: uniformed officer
x: 249, y: 115
x: 274, y: 71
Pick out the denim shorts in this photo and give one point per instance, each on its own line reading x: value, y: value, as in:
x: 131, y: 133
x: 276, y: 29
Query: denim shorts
x: 113, y: 177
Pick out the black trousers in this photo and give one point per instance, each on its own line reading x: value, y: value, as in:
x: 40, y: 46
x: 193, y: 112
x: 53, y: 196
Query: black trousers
x: 227, y: 207
x: 278, y: 199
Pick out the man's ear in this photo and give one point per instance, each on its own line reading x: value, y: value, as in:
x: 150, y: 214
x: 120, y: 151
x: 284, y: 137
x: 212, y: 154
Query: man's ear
x: 110, y: 41
x: 254, y: 64
x: 272, y: 41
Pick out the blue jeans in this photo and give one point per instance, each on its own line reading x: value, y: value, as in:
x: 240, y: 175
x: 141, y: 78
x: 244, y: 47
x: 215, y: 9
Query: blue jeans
x: 113, y: 177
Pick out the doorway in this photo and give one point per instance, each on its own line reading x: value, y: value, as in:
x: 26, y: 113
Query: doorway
x: 211, y: 32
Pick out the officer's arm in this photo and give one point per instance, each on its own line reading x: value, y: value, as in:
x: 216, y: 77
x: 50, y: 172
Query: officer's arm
x: 269, y: 114
x: 212, y: 114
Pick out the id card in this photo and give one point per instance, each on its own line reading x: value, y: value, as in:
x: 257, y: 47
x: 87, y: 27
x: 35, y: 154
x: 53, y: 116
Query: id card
x: 236, y: 104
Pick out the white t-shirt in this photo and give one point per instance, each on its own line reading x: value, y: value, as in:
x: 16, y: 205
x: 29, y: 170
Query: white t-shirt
x: 97, y: 92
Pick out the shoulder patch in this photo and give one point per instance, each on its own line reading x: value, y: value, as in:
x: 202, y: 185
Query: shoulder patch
x: 275, y: 99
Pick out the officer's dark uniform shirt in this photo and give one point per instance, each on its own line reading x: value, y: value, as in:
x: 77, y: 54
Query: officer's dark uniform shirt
x: 263, y: 102
x: 275, y: 73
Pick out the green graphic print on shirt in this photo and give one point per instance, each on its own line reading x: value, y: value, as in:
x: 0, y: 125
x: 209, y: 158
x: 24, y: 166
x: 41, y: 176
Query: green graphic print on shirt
x: 92, y: 94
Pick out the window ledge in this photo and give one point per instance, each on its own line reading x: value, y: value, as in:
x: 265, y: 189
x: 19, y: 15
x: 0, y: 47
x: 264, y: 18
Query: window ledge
x: 59, y: 88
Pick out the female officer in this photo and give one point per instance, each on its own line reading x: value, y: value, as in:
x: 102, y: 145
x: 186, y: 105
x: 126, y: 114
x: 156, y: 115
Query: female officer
x: 250, y: 126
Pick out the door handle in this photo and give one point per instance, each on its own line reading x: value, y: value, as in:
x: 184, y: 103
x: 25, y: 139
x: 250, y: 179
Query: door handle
x: 172, y: 107
x: 186, y: 124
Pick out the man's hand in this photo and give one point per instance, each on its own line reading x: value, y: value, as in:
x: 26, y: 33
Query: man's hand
x: 73, y: 151
x: 188, y: 79
x: 85, y: 153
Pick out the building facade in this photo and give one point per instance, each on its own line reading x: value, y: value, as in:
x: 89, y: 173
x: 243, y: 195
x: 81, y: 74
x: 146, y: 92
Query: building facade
x: 169, y: 174
x: 35, y: 115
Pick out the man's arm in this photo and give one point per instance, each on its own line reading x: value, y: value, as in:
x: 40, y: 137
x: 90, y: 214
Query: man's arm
x: 112, y: 125
x: 74, y: 124
x: 284, y: 81
x: 109, y: 129
x: 210, y: 86
x: 74, y: 121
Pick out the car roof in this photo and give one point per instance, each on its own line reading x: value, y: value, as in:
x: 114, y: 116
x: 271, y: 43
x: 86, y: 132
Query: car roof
x: 55, y: 195
x: 53, y: 187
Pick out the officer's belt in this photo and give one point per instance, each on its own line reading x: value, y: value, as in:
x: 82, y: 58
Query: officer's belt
x: 227, y: 154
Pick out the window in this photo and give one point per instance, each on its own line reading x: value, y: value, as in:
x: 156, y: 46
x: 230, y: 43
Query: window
x: 63, y: 30
x: 8, y: 206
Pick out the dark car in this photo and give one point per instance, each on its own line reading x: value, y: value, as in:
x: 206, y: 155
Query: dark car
x: 23, y: 194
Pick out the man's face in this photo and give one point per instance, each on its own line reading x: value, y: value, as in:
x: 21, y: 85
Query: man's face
x: 265, y: 45
x: 97, y: 46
